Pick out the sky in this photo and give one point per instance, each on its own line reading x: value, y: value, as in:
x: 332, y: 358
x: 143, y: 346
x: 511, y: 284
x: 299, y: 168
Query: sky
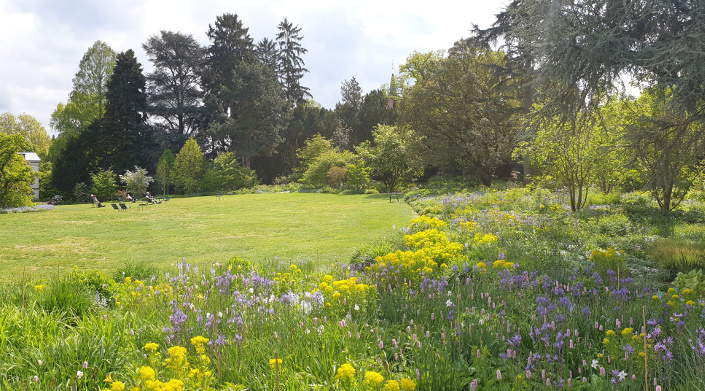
x: 42, y: 41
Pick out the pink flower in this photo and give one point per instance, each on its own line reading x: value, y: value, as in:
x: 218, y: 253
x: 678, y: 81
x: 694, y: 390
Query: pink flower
x: 528, y: 374
x: 499, y: 375
x: 85, y: 365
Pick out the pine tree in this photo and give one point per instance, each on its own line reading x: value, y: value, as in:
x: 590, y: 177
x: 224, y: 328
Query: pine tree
x: 291, y: 64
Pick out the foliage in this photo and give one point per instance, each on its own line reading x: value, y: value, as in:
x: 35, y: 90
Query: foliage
x: 81, y: 193
x: 165, y: 170
x: 357, y: 176
x: 189, y: 167
x: 668, y: 145
x: 317, y: 172
x: 136, y: 271
x: 137, y: 181
x: 225, y: 173
x: 104, y: 184
x: 15, y: 175
x: 678, y: 254
x: 67, y: 297
x: 389, y: 159
x: 258, y: 112
x: 87, y: 99
x: 35, y: 135
x: 567, y: 151
x: 462, y: 121
x: 290, y: 65
x: 173, y: 89
x: 694, y: 281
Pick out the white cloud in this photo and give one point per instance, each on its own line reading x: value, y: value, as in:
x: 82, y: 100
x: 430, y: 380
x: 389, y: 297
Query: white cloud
x: 43, y: 40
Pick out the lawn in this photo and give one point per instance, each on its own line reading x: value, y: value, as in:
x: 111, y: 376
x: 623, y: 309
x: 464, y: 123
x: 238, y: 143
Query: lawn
x: 292, y: 227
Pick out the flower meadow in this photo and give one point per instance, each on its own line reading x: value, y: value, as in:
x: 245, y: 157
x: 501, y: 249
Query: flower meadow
x: 499, y: 290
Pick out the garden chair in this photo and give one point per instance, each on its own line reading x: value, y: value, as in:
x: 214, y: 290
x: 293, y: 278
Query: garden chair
x: 123, y: 206
x: 167, y: 199
x: 218, y: 196
x: 115, y: 207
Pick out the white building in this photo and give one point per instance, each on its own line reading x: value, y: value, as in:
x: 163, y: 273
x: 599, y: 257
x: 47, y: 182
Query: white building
x: 33, y: 160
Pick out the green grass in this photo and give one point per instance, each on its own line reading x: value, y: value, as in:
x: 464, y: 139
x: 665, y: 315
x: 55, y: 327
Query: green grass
x: 317, y: 228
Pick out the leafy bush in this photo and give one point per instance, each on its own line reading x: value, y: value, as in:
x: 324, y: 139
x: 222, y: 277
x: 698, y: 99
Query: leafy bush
x: 694, y: 281
x: 104, y: 185
x: 336, y: 176
x: 357, y: 176
x: 614, y: 225
x: 137, y: 181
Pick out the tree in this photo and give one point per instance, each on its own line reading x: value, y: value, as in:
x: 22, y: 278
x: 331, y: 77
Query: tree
x: 122, y: 137
x: 15, y: 175
x: 291, y: 64
x: 259, y: 112
x: 462, y: 122
x: 231, y: 45
x: 174, y: 94
x: 189, y: 167
x: 268, y: 54
x: 567, y: 152
x: 348, y: 113
x: 88, y: 98
x: 165, y: 168
x: 34, y: 134
x: 137, y: 181
x: 668, y: 142
x: 389, y: 159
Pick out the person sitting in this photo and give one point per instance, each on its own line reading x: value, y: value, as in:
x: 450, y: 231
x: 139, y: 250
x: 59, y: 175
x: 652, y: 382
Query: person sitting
x: 130, y: 197
x: 95, y: 201
x: 151, y: 199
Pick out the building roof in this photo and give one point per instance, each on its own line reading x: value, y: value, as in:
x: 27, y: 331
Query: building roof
x: 30, y: 156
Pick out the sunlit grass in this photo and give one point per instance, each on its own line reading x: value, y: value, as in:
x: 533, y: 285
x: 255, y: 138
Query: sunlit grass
x: 317, y: 228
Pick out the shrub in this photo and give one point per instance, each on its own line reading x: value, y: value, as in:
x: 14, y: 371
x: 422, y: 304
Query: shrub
x: 336, y: 176
x: 357, y: 176
x: 104, y: 185
x: 81, y: 193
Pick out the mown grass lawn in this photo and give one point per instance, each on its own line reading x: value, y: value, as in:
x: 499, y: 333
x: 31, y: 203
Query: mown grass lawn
x: 317, y: 228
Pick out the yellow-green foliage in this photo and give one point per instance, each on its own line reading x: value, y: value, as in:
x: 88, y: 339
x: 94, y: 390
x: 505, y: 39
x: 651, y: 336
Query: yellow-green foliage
x: 345, y: 296
x: 609, y: 259
x: 185, y: 371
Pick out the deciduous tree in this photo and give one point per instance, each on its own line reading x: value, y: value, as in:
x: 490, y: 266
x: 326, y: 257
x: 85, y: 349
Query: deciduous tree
x: 15, y: 175
x: 462, y: 122
x: 34, y: 134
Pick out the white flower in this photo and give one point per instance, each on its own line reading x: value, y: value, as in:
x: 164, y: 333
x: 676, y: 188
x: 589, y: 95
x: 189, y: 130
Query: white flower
x: 622, y: 375
x: 79, y: 374
x: 595, y: 364
x: 449, y: 303
x: 450, y: 293
x: 357, y: 307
